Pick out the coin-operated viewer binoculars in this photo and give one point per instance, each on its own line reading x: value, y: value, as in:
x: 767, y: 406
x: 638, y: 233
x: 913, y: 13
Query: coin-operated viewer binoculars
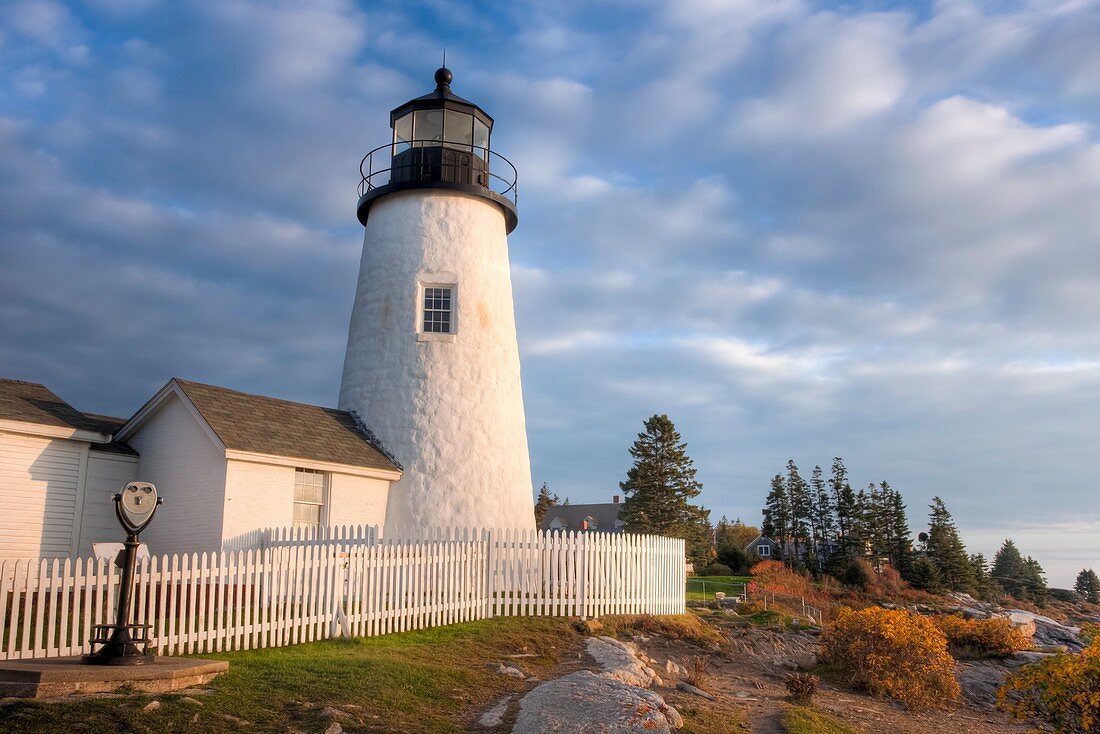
x: 135, y: 506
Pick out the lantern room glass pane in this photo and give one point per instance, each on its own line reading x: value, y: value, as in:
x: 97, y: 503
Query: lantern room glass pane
x: 481, y: 138
x: 428, y: 127
x: 458, y: 129
x: 402, y: 133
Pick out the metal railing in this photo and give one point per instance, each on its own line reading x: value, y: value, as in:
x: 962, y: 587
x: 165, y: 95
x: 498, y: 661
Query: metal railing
x: 377, y: 166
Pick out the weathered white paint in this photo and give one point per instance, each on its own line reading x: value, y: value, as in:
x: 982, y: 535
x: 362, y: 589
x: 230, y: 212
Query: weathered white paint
x: 40, y: 489
x: 355, y: 500
x: 284, y: 594
x: 107, y: 474
x: 261, y: 495
x: 189, y: 469
x: 451, y: 411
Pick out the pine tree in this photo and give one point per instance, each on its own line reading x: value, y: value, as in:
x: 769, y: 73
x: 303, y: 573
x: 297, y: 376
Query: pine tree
x: 846, y: 506
x: 1034, y: 579
x: 946, y: 549
x: 984, y: 585
x: 777, y: 514
x: 544, y: 502
x: 1088, y: 585
x: 924, y: 574
x: 801, y: 504
x: 824, y: 523
x: 658, y: 487
x: 1009, y: 571
x: 899, y: 539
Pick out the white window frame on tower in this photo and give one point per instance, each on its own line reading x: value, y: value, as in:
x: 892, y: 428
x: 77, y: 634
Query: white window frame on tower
x: 428, y: 281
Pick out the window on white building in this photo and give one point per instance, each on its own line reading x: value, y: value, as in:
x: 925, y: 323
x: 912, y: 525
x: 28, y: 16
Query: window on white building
x: 763, y: 550
x: 438, y: 309
x: 309, y: 498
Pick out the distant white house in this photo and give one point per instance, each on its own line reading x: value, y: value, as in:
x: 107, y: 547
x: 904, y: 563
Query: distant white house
x: 226, y: 463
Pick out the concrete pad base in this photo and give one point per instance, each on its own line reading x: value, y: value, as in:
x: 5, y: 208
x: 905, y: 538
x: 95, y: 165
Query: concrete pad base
x: 51, y: 677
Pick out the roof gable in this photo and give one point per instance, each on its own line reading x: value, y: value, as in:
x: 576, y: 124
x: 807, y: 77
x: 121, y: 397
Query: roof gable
x: 254, y: 424
x: 571, y: 516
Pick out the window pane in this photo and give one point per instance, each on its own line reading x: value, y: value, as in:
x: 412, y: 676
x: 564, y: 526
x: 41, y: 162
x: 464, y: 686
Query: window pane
x: 403, y: 132
x: 437, y: 310
x: 458, y: 128
x: 428, y: 126
x: 481, y: 138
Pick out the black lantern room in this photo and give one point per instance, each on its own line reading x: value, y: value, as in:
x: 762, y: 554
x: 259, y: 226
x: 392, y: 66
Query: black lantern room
x: 440, y: 141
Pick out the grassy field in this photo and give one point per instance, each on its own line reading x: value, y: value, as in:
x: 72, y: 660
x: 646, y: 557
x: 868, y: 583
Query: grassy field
x: 804, y: 720
x: 701, y: 588
x: 434, y: 680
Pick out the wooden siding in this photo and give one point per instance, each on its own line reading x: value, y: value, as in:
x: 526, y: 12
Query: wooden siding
x: 40, y: 487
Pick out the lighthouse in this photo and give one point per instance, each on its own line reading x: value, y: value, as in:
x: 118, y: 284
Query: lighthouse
x: 432, y: 360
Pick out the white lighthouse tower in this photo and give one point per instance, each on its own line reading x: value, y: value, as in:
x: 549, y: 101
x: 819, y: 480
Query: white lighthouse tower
x: 432, y: 361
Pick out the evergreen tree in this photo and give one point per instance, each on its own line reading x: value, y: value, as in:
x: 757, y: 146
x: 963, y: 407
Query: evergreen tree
x: 946, y: 549
x: 824, y: 522
x: 777, y: 514
x: 924, y: 574
x: 544, y: 502
x: 1034, y: 579
x: 801, y: 504
x: 658, y: 488
x: 1088, y: 585
x: 899, y: 539
x: 847, y: 509
x: 1009, y: 570
x: 984, y: 585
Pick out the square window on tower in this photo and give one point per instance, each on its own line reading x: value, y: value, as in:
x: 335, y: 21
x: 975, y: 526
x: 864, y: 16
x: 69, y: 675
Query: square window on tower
x: 438, y: 310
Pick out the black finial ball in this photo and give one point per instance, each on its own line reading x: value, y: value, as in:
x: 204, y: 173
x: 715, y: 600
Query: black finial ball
x: 443, y: 76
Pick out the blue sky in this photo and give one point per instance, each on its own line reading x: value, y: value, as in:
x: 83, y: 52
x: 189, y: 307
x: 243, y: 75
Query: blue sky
x: 801, y: 230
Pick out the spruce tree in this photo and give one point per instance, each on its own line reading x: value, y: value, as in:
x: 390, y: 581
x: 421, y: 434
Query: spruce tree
x: 1009, y: 571
x: 544, y: 502
x: 946, y: 549
x: 658, y: 488
x: 777, y: 514
x: 1034, y: 579
x: 801, y: 504
x: 899, y: 539
x: 824, y: 522
x: 846, y: 506
x: 1088, y: 586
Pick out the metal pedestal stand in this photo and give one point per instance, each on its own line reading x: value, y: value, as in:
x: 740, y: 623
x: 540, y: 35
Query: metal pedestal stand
x: 125, y: 643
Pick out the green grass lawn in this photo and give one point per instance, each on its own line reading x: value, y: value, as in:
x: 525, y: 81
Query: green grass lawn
x: 702, y: 588
x: 435, y: 680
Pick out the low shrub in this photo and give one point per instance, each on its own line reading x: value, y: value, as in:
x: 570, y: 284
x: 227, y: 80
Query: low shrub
x: 801, y: 686
x: 892, y: 653
x: 698, y: 671
x: 858, y: 574
x: 1062, y: 691
x: 981, y: 638
x: 716, y: 569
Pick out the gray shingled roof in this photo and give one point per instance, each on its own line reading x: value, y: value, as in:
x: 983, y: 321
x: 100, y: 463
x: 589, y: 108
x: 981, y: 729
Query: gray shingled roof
x: 32, y: 402
x: 572, y: 516
x: 274, y: 427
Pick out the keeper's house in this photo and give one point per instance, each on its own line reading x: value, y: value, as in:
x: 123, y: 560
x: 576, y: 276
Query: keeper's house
x: 227, y: 462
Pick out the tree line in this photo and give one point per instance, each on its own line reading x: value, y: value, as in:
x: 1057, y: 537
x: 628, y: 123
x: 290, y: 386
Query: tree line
x: 821, y: 524
x: 824, y: 525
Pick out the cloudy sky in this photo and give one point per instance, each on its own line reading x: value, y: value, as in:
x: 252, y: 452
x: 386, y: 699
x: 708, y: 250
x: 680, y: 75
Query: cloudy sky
x: 802, y: 230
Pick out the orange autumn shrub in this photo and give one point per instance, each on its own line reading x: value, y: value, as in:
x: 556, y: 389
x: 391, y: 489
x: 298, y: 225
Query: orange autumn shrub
x: 981, y: 638
x: 779, y: 578
x: 892, y: 653
x: 1062, y: 691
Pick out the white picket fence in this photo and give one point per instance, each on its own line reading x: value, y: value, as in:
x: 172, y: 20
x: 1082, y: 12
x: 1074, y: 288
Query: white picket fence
x: 291, y: 591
